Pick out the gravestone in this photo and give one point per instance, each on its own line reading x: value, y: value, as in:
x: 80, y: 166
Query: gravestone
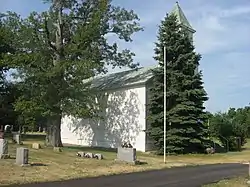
x: 36, y: 146
x: 17, y: 138
x: 4, y: 149
x: 22, y: 156
x: 126, y: 154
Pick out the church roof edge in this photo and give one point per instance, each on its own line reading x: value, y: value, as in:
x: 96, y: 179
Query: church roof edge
x: 122, y: 79
x: 181, y: 18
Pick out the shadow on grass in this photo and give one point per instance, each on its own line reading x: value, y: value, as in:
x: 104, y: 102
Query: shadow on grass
x: 38, y: 137
x: 25, y: 137
x: 38, y: 164
x: 142, y: 163
x: 11, y: 158
x: 82, y: 148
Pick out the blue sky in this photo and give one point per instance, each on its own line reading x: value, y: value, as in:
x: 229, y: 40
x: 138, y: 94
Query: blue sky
x: 222, y: 38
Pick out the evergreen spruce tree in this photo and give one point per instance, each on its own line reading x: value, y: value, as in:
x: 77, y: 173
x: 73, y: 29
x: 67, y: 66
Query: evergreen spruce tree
x: 185, y: 92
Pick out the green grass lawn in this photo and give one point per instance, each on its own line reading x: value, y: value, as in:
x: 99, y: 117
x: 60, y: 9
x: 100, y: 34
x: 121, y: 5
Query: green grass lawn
x: 236, y: 182
x: 52, y: 166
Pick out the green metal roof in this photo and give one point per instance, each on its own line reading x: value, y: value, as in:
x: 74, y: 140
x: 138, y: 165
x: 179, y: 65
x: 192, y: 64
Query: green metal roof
x: 181, y: 18
x: 121, y: 79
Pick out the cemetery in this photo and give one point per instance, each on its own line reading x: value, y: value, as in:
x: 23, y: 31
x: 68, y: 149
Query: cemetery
x: 100, y: 107
x: 32, y: 161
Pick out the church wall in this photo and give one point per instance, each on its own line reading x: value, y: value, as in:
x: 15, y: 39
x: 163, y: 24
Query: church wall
x: 123, y: 112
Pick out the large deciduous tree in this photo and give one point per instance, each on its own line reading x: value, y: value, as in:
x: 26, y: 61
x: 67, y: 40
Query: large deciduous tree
x: 231, y: 126
x: 59, y: 48
x: 7, y: 90
x: 185, y: 92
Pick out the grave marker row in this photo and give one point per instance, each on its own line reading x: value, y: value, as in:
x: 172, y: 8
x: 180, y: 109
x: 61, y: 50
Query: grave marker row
x: 90, y: 155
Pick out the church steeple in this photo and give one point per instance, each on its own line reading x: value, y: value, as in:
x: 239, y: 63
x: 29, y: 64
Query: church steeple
x: 184, y: 24
x: 182, y: 20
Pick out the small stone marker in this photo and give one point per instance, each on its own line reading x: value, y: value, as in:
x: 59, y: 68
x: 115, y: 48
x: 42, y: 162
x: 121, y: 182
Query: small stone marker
x: 36, y: 146
x: 57, y: 149
x: 17, y: 138
x: 89, y: 155
x: 4, y: 149
x: 98, y: 156
x: 210, y: 150
x: 81, y: 154
x: 126, y: 154
x: 22, y: 156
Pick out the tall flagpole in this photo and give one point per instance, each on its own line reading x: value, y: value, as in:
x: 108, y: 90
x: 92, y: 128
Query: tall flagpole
x: 165, y: 101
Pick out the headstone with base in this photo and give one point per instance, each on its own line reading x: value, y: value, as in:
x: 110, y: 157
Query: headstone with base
x: 126, y: 154
x: 4, y: 149
x: 22, y: 156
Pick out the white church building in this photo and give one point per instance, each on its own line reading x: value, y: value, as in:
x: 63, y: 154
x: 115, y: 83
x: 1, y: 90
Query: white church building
x: 124, y: 101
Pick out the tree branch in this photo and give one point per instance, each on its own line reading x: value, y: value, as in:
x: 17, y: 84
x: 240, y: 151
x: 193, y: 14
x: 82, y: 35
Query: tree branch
x: 48, y: 36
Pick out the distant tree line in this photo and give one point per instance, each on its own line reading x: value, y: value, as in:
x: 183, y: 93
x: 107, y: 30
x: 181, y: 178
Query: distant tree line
x: 231, y: 127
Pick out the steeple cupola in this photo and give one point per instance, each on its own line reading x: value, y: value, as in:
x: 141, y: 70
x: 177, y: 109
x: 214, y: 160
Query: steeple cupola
x: 183, y: 21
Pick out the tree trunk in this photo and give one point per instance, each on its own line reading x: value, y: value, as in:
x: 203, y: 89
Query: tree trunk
x: 53, y: 136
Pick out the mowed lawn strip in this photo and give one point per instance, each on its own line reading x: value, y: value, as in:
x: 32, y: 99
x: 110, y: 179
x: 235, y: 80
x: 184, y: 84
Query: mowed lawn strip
x: 236, y: 182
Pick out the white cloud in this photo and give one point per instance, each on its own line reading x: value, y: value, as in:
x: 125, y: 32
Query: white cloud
x: 236, y: 11
x: 220, y: 29
x: 222, y: 34
x: 217, y: 28
x: 214, y: 24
